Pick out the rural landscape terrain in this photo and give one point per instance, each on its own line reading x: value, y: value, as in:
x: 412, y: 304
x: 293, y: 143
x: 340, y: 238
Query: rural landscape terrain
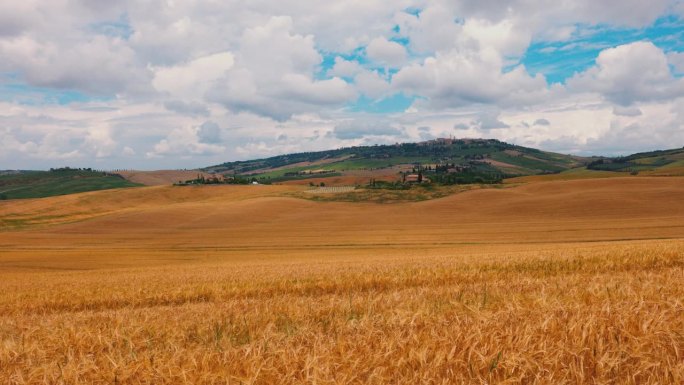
x: 567, y: 271
x: 299, y: 192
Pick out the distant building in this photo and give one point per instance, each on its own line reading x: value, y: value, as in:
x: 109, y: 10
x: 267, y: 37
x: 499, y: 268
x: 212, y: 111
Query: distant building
x: 416, y: 178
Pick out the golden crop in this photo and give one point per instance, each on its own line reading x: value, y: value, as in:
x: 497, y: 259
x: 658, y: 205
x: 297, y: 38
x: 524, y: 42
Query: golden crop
x: 233, y: 286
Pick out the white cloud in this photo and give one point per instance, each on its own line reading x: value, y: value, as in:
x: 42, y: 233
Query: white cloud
x: 179, y: 80
x: 632, y: 13
x: 505, y: 37
x: 434, y: 30
x: 273, y: 75
x: 100, y: 65
x: 184, y: 142
x: 629, y: 73
x: 455, y: 79
x: 192, y: 79
x: 371, y: 84
x: 385, y: 52
x: 345, y: 68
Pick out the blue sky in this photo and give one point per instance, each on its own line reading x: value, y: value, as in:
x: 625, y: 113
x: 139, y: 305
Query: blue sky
x: 179, y: 85
x: 560, y: 60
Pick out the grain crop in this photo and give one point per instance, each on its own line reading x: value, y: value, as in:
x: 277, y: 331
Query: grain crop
x: 574, y: 282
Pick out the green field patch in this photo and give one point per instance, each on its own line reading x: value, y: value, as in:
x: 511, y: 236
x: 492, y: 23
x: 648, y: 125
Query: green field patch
x: 39, y: 184
x: 435, y: 152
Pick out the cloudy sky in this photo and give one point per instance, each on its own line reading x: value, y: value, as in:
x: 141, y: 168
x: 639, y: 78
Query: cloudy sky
x: 187, y: 83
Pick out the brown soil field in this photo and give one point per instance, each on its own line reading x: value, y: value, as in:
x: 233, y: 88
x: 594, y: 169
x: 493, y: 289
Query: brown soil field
x: 564, y: 282
x: 161, y: 177
x: 566, y: 176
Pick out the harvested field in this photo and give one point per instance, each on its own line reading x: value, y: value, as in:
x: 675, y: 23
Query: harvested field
x: 161, y: 177
x: 331, y: 190
x: 568, y: 282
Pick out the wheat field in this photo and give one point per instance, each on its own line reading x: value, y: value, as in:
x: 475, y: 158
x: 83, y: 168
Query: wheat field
x: 571, y: 282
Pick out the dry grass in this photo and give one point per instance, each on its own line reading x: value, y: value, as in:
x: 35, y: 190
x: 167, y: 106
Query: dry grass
x: 161, y: 177
x: 521, y: 285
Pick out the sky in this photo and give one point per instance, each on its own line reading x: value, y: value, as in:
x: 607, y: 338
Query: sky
x: 161, y: 84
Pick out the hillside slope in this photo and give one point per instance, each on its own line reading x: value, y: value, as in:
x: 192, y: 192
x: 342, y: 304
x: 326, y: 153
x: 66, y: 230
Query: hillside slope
x: 573, y: 282
x: 264, y: 217
x: 39, y: 184
x: 485, y: 156
x: 662, y: 163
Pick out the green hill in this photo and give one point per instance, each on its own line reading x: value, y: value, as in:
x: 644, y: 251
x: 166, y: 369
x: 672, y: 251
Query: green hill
x: 487, y: 158
x: 38, y: 184
x: 649, y: 162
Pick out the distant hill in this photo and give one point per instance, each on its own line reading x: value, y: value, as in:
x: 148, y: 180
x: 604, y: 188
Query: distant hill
x: 663, y: 162
x: 38, y: 184
x: 447, y: 161
x: 484, y: 156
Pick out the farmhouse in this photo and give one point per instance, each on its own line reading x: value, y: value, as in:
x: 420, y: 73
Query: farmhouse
x: 416, y: 178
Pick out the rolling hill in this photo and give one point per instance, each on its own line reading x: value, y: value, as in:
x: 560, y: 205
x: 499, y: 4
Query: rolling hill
x: 62, y: 181
x: 663, y: 162
x: 483, y: 157
x: 209, y: 284
x: 446, y: 161
x: 271, y: 219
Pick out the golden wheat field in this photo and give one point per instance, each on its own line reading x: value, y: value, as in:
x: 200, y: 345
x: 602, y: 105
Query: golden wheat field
x: 561, y: 282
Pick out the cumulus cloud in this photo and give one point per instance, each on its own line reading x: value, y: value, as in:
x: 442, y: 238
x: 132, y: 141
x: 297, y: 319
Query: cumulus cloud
x: 100, y: 66
x: 187, y: 141
x: 432, y: 30
x: 630, y: 73
x: 119, y: 82
x: 27, y: 137
x: 386, y: 52
x: 632, y: 13
x: 455, y: 79
x: 273, y: 75
x: 371, y: 84
x: 345, y: 68
x: 192, y: 79
x: 505, y: 37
